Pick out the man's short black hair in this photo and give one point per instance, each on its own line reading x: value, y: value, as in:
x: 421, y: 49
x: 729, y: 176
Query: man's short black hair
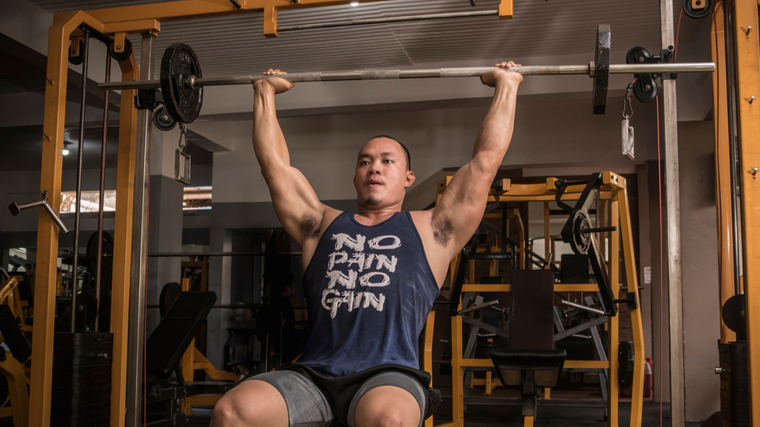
x: 406, y: 150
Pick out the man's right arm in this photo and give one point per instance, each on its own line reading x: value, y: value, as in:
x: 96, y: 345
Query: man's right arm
x: 295, y: 202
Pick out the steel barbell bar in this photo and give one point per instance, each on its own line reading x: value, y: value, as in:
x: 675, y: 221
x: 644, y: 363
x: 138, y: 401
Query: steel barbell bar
x: 534, y: 70
x: 182, y: 81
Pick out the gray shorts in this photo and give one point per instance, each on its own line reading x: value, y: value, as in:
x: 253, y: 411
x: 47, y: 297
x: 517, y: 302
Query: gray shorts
x: 308, y: 407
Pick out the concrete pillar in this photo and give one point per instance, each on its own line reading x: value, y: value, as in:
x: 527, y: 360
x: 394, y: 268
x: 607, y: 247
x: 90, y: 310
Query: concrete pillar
x: 165, y: 216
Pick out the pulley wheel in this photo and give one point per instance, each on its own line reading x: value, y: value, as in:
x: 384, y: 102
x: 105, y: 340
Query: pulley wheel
x: 123, y: 55
x: 162, y: 119
x: 636, y: 55
x: 76, y: 60
x: 601, y: 68
x: 644, y: 86
x: 579, y: 240
x: 734, y: 315
x: 181, y: 101
x: 697, y: 13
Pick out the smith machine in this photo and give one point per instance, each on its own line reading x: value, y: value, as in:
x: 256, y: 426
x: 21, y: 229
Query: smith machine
x: 69, y: 39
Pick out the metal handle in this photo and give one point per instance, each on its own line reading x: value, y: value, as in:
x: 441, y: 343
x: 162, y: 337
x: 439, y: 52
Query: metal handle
x: 583, y: 307
x: 478, y: 307
x: 16, y: 209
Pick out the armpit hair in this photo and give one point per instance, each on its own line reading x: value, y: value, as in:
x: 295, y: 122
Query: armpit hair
x: 442, y: 230
x: 309, y: 226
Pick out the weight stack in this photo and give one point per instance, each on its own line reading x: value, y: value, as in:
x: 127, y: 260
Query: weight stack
x: 734, y: 384
x: 82, y: 379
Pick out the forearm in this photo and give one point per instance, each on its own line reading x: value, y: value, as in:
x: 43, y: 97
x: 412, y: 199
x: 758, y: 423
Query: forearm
x: 268, y: 140
x: 496, y: 131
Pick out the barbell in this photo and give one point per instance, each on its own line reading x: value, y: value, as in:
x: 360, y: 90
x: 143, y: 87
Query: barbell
x: 182, y: 81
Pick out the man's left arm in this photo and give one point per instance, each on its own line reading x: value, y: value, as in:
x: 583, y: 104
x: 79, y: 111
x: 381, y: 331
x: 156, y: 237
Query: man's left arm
x: 461, y: 207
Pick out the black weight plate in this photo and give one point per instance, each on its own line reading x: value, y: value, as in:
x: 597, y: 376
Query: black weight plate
x: 120, y: 56
x: 580, y: 241
x: 106, y: 255
x: 625, y: 365
x: 163, y: 120
x: 602, y: 68
x: 733, y: 313
x: 697, y: 13
x: 177, y: 65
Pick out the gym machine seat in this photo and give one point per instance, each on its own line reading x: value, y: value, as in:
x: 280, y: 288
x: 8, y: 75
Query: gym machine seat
x: 530, y: 360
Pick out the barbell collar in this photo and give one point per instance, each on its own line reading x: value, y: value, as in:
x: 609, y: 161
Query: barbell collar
x: 533, y: 70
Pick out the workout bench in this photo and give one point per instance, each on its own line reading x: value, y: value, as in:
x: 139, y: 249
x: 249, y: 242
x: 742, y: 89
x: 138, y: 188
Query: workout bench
x: 530, y: 360
x: 164, y: 349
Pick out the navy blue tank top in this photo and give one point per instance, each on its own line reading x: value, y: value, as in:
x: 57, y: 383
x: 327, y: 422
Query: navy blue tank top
x: 369, y: 290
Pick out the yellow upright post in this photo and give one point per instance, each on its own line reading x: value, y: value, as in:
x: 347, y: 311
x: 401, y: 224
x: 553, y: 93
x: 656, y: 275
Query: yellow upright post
x: 47, y: 231
x: 122, y: 247
x: 457, y: 385
x: 614, y: 269
x: 427, y: 360
x: 748, y: 97
x: 626, y: 234
x: 188, y: 359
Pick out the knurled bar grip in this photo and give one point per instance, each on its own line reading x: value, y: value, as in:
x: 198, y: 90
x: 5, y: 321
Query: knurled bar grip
x: 535, y: 70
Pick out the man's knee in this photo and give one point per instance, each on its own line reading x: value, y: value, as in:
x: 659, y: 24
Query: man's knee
x: 387, y: 417
x: 224, y: 412
x: 251, y: 404
x: 387, y: 407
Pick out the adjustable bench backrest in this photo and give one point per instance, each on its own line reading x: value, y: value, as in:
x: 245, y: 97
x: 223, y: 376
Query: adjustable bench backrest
x: 531, y: 322
x: 168, y: 342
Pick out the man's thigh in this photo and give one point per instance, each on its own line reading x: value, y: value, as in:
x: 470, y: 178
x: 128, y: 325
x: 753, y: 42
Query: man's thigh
x: 389, y: 397
x: 281, y: 399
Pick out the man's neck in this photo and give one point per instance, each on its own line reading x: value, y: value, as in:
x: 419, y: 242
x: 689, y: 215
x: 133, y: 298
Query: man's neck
x: 374, y: 216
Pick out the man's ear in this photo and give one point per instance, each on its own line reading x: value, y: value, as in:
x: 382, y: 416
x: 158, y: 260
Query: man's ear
x: 410, y: 177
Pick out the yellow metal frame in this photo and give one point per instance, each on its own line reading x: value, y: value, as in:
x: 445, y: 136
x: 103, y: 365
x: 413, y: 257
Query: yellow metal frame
x: 748, y: 118
x: 614, y: 191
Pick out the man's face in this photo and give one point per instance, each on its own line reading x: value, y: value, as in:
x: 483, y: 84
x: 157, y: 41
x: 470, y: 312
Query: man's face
x: 381, y: 173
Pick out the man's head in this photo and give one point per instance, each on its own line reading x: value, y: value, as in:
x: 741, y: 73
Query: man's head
x: 382, y: 172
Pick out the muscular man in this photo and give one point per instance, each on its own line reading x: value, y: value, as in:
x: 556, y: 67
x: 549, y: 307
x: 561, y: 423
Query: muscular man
x: 369, y: 278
